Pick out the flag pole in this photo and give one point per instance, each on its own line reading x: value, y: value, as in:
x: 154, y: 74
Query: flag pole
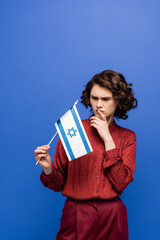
x: 76, y: 102
x: 52, y: 139
x: 48, y: 145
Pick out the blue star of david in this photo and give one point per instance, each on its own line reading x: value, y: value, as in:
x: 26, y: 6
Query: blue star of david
x: 71, y: 132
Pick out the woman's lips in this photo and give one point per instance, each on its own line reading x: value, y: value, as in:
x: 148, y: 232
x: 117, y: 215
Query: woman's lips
x: 100, y: 111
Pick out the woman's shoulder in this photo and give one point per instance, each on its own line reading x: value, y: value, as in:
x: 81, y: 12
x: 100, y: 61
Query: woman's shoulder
x: 85, y: 120
x: 126, y: 132
x: 86, y: 123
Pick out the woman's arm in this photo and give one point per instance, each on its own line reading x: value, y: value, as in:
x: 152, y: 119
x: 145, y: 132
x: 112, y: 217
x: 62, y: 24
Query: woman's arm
x: 120, y: 169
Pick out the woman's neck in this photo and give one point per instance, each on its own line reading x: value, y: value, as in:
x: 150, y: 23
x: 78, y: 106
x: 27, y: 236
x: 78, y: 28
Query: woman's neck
x: 110, y: 120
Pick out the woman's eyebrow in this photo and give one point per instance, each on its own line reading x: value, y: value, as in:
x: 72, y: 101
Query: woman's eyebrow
x: 107, y: 97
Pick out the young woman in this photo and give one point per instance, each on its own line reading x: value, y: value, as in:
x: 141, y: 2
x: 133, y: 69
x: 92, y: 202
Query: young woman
x: 93, y: 183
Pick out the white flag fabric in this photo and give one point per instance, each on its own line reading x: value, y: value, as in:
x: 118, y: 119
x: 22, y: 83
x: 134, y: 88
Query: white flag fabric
x: 72, y: 134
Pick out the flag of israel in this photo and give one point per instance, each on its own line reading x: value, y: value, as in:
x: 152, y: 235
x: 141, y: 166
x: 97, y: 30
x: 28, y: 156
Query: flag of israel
x: 72, y: 134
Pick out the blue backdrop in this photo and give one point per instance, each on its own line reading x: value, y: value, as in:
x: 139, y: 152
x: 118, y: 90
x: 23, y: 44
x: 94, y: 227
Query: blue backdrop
x: 48, y: 51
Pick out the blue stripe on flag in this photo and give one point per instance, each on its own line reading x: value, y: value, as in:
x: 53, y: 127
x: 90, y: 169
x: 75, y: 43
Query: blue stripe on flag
x: 65, y: 139
x: 80, y: 130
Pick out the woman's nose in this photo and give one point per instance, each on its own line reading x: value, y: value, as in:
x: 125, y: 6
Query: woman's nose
x: 99, y: 104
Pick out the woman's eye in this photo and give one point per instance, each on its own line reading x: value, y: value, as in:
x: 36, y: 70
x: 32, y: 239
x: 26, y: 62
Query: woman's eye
x: 94, y: 98
x: 105, y: 99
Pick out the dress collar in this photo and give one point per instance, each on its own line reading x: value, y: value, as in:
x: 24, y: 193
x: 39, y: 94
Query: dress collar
x: 112, y: 126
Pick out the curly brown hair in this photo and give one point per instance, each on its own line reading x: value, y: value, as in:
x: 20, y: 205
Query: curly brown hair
x: 121, y: 90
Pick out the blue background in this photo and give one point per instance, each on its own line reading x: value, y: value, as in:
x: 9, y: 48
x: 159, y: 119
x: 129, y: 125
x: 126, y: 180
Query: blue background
x: 48, y: 51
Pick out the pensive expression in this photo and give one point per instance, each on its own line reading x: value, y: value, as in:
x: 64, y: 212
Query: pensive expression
x: 102, y: 99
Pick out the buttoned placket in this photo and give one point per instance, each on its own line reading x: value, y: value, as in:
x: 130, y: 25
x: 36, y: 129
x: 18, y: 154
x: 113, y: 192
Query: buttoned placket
x: 98, y: 171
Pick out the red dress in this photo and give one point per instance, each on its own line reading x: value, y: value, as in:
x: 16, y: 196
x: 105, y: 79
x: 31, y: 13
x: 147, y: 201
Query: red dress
x: 99, y: 178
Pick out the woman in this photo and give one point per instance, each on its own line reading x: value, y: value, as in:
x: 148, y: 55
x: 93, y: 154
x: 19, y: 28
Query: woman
x: 94, y: 182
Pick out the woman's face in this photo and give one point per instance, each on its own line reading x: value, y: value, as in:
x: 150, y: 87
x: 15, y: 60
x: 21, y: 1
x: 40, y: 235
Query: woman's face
x: 102, y: 99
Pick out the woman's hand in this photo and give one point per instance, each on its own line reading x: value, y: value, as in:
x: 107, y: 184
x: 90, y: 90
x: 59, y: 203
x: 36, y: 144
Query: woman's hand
x: 101, y: 125
x: 45, y: 159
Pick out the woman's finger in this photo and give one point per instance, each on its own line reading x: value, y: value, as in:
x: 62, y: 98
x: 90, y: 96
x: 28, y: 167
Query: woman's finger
x: 94, y: 125
x: 95, y: 117
x: 37, y: 151
x: 44, y: 147
x: 96, y: 121
x: 102, y: 115
x: 40, y: 156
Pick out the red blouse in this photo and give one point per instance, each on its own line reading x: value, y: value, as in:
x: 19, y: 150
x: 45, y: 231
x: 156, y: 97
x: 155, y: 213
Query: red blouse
x: 99, y: 174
